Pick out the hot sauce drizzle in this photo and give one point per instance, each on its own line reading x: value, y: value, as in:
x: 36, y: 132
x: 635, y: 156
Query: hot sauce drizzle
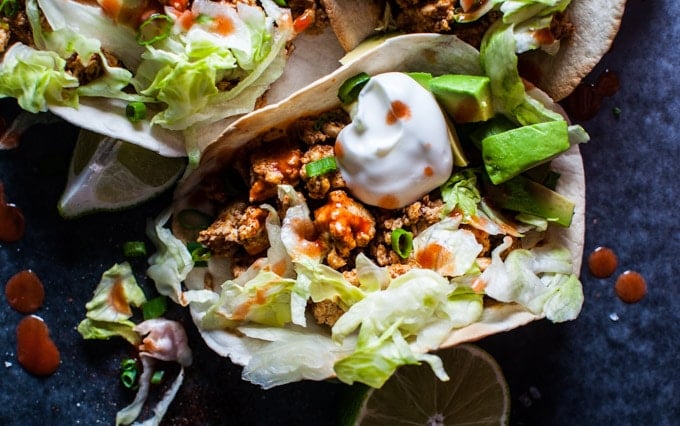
x: 631, y: 287
x: 36, y: 351
x: 602, y: 262
x: 25, y: 292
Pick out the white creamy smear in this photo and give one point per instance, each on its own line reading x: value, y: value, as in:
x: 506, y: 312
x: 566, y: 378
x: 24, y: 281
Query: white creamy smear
x: 396, y: 149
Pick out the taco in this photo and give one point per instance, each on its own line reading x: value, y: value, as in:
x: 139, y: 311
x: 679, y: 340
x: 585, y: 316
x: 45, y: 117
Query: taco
x: 560, y: 41
x: 329, y: 239
x: 153, y: 72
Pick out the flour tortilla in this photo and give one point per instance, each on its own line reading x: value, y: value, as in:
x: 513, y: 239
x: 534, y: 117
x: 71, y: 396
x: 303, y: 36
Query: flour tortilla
x: 314, y: 55
x: 433, y: 53
x: 596, y: 23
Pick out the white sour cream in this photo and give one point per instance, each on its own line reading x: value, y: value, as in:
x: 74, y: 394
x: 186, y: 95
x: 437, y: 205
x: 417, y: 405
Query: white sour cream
x: 396, y: 149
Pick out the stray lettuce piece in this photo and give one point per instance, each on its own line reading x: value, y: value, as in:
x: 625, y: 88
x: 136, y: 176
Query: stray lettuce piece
x: 540, y: 279
x: 109, y: 312
x: 461, y: 192
x: 172, y: 262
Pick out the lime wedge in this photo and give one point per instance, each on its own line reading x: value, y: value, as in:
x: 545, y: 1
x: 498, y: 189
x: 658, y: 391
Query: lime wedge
x: 108, y: 174
x: 476, y: 394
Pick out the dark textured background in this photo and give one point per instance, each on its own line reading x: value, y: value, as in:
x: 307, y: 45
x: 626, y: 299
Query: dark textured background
x: 594, y: 370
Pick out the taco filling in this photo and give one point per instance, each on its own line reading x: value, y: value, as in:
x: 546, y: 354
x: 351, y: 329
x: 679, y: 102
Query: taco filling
x: 356, y: 238
x: 173, y: 64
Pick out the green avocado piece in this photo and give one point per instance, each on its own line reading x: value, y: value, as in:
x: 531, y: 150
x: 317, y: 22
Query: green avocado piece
x: 509, y: 153
x: 523, y: 195
x: 497, y: 124
x: 467, y: 98
x: 423, y: 78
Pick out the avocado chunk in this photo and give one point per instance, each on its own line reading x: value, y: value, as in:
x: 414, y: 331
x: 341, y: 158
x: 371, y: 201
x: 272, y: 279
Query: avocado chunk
x: 467, y: 98
x: 523, y: 195
x: 509, y: 153
x: 498, y: 124
x: 423, y: 78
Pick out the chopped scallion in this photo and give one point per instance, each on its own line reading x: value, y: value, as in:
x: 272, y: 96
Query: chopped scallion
x: 134, y: 249
x: 402, y: 242
x: 282, y: 3
x: 9, y: 8
x: 135, y: 111
x: 321, y: 166
x: 349, y: 90
x: 154, y: 308
x: 128, y: 375
x: 199, y: 253
x: 156, y: 28
x: 157, y: 377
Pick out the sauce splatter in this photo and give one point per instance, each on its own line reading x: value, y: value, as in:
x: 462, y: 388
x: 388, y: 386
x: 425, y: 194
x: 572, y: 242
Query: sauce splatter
x: 36, y: 351
x: 602, y: 262
x: 12, y: 221
x: 586, y: 100
x: 398, y: 111
x: 631, y: 287
x: 25, y: 292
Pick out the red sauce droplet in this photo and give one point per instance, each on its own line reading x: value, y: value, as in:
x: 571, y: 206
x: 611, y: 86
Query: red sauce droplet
x: 12, y: 222
x: 118, y: 299
x: 631, y: 287
x: 602, y: 262
x: 585, y: 102
x: 398, y: 111
x: 223, y: 25
x: 36, y: 351
x: 543, y: 36
x: 388, y: 202
x: 431, y: 256
x: 25, y: 292
x: 429, y: 171
x: 303, y: 21
x: 339, y: 149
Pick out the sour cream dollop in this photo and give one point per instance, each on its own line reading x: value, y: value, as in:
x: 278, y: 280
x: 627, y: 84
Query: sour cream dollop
x: 396, y: 149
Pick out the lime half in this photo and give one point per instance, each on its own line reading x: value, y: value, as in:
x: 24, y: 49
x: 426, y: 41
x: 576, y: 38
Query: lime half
x: 109, y: 174
x: 476, y: 394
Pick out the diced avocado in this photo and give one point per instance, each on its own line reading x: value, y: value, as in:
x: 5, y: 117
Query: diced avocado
x: 523, y: 195
x: 423, y: 78
x: 509, y: 153
x: 498, y: 124
x: 467, y: 98
x: 459, y: 158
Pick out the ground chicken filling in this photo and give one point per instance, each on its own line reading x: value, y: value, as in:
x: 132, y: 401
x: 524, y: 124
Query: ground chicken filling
x: 437, y: 16
x: 344, y: 225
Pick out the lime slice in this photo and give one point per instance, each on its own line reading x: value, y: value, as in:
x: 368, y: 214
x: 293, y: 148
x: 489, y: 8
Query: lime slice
x: 476, y: 394
x: 108, y: 174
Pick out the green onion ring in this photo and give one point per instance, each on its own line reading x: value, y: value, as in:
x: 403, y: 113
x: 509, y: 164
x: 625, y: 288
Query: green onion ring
x: 155, y: 28
x: 157, y: 377
x: 134, y: 249
x: 321, y: 166
x: 199, y: 253
x: 9, y: 8
x: 402, y: 242
x: 154, y: 308
x: 350, y: 88
x: 135, y: 111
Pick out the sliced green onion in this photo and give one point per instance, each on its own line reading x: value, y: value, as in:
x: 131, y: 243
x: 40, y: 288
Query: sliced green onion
x: 9, y: 8
x: 155, y: 307
x: 134, y: 249
x: 135, y: 111
x: 320, y: 167
x: 128, y: 375
x: 402, y: 242
x: 156, y: 28
x: 199, y: 253
x: 617, y: 112
x: 349, y: 90
x: 193, y: 219
x: 157, y: 377
x: 282, y: 3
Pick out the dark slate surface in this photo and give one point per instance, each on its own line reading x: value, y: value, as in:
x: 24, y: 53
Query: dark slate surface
x: 616, y: 364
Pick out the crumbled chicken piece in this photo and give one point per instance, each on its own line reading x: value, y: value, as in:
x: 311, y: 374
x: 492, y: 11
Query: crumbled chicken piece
x: 237, y: 225
x: 319, y: 186
x: 273, y: 165
x: 348, y: 223
x: 319, y: 130
x: 326, y: 312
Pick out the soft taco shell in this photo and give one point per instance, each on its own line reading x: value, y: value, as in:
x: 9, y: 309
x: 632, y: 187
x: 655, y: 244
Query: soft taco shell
x: 433, y: 53
x: 596, y: 23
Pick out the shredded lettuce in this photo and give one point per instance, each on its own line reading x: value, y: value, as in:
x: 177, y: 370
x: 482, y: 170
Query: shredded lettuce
x: 108, y: 313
